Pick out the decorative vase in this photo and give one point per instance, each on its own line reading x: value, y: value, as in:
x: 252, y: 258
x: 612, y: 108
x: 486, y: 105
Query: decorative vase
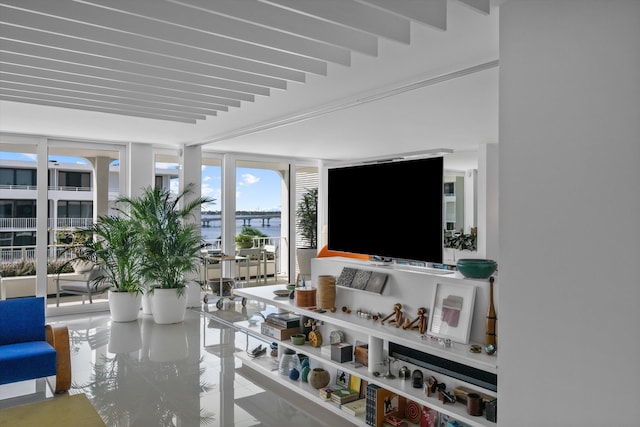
x: 318, y: 378
x: 304, y: 374
x: 294, y: 374
x: 490, y: 336
x: 326, y: 295
x: 288, y: 361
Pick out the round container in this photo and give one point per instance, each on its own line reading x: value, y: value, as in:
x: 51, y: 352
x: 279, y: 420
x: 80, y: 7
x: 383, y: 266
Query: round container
x: 288, y: 361
x: 298, y: 339
x: 294, y: 374
x: 476, y: 268
x: 305, y: 297
x: 326, y: 296
x: 318, y: 378
x: 474, y: 404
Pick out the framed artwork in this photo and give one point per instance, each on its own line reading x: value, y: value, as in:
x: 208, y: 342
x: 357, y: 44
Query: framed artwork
x: 452, y: 311
x: 343, y: 379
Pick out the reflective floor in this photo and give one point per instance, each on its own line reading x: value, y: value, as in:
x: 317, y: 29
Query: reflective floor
x: 145, y: 374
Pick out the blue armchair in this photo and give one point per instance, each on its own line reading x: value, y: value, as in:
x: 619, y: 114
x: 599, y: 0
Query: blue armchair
x: 29, y: 349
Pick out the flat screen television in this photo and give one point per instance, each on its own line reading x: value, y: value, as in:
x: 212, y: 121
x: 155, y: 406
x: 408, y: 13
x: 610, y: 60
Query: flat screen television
x: 388, y: 209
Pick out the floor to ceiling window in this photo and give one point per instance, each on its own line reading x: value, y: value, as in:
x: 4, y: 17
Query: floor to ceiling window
x: 84, y: 182
x: 18, y: 205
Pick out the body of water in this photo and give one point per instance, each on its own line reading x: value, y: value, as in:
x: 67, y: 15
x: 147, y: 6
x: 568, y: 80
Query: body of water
x: 214, y: 231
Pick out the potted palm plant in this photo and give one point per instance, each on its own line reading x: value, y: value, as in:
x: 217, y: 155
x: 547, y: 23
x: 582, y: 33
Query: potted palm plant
x: 307, y: 222
x: 169, y: 247
x: 111, y: 245
x: 246, y: 238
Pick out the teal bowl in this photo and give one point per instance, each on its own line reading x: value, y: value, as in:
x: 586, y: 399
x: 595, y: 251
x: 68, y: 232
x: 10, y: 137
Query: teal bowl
x: 476, y: 268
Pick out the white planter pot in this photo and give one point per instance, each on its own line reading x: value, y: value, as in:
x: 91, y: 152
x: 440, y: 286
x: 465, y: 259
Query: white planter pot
x: 168, y: 305
x: 147, y: 307
x: 193, y: 294
x: 304, y: 257
x: 124, y: 337
x: 124, y: 306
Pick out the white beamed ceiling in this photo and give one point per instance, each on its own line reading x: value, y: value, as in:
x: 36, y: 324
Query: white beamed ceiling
x: 331, y: 79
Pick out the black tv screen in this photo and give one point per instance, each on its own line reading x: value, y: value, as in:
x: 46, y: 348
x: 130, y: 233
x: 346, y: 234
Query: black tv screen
x: 388, y: 209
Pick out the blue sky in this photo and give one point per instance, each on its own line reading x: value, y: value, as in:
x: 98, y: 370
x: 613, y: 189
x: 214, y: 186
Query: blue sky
x: 257, y: 189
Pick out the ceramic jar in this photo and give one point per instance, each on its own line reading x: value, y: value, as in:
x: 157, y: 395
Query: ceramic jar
x: 318, y: 377
x: 288, y: 361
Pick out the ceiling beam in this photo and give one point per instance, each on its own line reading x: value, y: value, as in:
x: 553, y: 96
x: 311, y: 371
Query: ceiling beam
x: 85, y: 21
x: 290, y: 22
x: 8, y: 78
x: 101, y: 82
x: 78, y: 106
x: 430, y: 12
x: 483, y: 6
x: 84, y: 70
x: 353, y: 15
x: 207, y: 23
x: 58, y: 42
x: 9, y: 48
x: 92, y: 96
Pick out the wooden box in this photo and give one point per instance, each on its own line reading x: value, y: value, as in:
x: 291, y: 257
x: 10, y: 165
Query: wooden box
x: 361, y: 354
x: 341, y: 352
x: 278, y: 332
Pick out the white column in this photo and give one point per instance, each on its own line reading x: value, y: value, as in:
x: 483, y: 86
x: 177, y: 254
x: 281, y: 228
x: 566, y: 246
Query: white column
x: 228, y: 209
x: 140, y: 168
x: 569, y: 213
x: 488, y: 201
x: 42, y: 207
x: 100, y: 186
x: 191, y: 173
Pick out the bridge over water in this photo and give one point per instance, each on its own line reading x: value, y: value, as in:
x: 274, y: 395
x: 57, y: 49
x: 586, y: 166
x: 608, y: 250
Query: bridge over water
x: 265, y: 217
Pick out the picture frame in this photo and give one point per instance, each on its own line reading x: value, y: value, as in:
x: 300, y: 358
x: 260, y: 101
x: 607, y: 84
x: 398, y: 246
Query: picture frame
x: 343, y: 378
x: 452, y: 311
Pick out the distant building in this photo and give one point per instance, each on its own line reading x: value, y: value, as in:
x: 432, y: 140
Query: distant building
x: 71, y: 198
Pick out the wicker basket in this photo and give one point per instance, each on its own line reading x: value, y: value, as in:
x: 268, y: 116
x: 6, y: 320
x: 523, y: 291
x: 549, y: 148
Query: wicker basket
x: 305, y: 297
x: 326, y: 291
x: 227, y: 286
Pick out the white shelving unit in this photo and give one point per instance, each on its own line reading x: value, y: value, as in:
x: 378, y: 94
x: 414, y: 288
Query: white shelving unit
x: 375, y: 331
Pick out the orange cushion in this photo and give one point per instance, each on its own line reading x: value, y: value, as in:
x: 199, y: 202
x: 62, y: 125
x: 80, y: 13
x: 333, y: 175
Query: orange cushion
x: 325, y: 252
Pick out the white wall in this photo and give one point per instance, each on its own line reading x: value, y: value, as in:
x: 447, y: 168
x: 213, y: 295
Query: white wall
x: 569, y: 312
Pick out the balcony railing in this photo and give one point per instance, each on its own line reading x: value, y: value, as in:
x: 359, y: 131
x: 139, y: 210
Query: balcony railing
x: 30, y: 223
x: 68, y: 188
x: 27, y: 253
x: 50, y: 187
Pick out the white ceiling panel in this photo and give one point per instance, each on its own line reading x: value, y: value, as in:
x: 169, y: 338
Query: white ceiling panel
x: 275, y: 77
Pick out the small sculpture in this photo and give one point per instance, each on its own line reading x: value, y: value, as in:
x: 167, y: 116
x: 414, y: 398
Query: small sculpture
x: 397, y: 312
x: 421, y: 321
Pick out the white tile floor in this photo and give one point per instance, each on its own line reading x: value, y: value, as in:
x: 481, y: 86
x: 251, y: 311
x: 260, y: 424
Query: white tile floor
x: 144, y: 374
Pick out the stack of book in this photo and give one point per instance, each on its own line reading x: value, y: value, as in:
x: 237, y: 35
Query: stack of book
x: 344, y: 395
x: 355, y: 408
x: 284, y: 320
x: 326, y: 392
x: 281, y: 325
